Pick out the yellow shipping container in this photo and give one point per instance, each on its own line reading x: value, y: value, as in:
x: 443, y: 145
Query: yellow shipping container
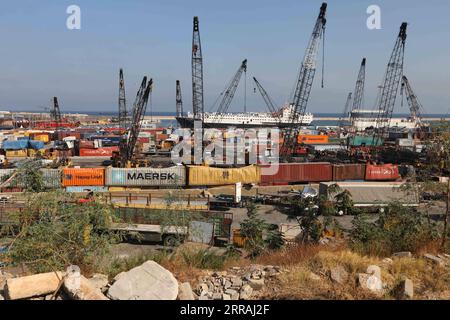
x: 207, y: 176
x: 42, y: 137
x: 32, y: 152
x: 17, y: 153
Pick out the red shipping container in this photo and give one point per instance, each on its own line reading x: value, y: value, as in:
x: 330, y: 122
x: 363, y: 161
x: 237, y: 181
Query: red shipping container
x: 385, y: 172
x: 299, y: 172
x: 84, y: 144
x: 65, y: 134
x: 351, y: 171
x: 161, y: 137
x: 99, y: 152
x: 144, y: 140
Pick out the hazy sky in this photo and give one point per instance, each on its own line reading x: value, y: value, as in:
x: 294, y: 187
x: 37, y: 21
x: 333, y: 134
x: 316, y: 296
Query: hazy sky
x: 40, y: 58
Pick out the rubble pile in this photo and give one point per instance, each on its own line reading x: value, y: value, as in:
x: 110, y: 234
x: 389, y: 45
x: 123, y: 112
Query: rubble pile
x: 236, y: 283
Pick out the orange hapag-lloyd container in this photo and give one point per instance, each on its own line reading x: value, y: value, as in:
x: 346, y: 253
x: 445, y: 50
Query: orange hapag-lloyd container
x: 84, y: 177
x: 312, y: 139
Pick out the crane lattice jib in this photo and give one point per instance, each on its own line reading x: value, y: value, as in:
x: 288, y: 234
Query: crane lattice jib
x: 231, y: 89
x: 139, y: 109
x: 269, y: 102
x: 197, y: 73
x: 179, y: 99
x: 414, y: 104
x: 358, y: 97
x: 56, y: 113
x: 123, y: 116
x: 346, y: 109
x: 390, y: 85
x: 304, y: 83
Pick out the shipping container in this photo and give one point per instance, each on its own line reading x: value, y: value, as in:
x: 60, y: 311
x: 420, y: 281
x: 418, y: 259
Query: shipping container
x: 312, y: 139
x: 207, y: 176
x: 80, y: 189
x: 107, y: 141
x: 173, y: 176
x: 99, y: 152
x: 17, y: 153
x: 52, y: 178
x: 385, y: 172
x: 84, y: 177
x: 85, y: 144
x: 65, y: 134
x: 298, y: 172
x: 15, y: 145
x: 32, y: 153
x: 361, y: 141
x: 354, y: 171
x: 44, y: 137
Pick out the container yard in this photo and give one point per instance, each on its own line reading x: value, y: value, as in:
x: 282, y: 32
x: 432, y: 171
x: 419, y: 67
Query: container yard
x: 242, y: 205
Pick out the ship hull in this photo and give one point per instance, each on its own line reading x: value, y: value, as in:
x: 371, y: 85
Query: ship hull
x: 185, y: 122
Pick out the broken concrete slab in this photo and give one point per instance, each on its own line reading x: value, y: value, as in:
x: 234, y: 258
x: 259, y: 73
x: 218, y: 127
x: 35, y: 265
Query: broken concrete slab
x: 405, y: 289
x: 150, y: 281
x: 374, y: 270
x: 185, y: 291
x: 32, y: 286
x: 256, y: 284
x: 370, y: 282
x: 402, y: 254
x: 434, y: 259
x: 339, y: 275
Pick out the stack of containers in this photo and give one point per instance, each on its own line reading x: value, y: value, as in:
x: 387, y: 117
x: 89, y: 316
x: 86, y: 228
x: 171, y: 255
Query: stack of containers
x: 80, y: 180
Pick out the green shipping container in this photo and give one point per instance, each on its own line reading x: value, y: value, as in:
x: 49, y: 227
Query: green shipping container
x: 367, y: 141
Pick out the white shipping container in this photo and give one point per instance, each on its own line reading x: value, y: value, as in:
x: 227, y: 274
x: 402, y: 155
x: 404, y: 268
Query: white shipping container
x: 141, y: 177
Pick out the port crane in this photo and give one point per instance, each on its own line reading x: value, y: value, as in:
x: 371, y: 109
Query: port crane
x: 197, y: 73
x: 229, y: 92
x: 345, y: 113
x: 123, y: 114
x: 358, y: 98
x: 269, y: 102
x: 179, y: 100
x: 391, y: 82
x: 128, y: 145
x: 303, y: 85
x: 55, y: 113
x: 415, y: 106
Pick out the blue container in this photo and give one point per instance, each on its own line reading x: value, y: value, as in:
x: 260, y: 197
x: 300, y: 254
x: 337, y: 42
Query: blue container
x: 15, y: 145
x: 76, y: 189
x: 36, y: 145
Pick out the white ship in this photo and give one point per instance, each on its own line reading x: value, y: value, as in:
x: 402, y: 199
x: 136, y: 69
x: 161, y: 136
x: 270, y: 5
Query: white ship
x: 362, y: 119
x: 249, y: 119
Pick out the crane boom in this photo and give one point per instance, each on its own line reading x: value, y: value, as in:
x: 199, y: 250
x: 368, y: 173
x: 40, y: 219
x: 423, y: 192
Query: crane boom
x: 179, y: 100
x: 345, y: 113
x: 414, y: 104
x: 304, y: 83
x: 123, y: 116
x: 269, y: 102
x: 56, y: 113
x: 231, y: 89
x: 390, y: 86
x: 197, y: 73
x: 359, y: 87
x: 139, y: 109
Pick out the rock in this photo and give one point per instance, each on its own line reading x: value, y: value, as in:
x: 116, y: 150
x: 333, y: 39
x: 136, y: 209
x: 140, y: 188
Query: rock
x: 32, y: 286
x: 402, y: 254
x: 237, y: 283
x: 118, y: 276
x: 3, y: 277
x: 227, y: 284
x: 79, y: 287
x: 185, y: 292
x: 217, y: 296
x: 226, y: 297
x: 99, y: 281
x: 339, y: 275
x: 246, y: 292
x: 257, y: 274
x: 1, y: 298
x: 387, y: 261
x: 256, y: 284
x: 204, y: 298
x: 314, y: 277
x: 405, y: 289
x: 374, y: 270
x: 370, y: 282
x: 150, y: 281
x: 434, y: 259
x: 202, y: 288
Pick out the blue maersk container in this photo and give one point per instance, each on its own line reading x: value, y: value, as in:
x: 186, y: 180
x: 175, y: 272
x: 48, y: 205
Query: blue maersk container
x: 36, y: 145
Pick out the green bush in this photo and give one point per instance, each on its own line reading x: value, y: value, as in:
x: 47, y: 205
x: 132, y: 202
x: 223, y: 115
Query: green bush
x: 398, y: 228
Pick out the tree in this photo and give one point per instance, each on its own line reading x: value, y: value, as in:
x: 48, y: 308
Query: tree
x: 344, y: 201
x: 55, y: 231
x: 252, y: 229
x: 29, y: 176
